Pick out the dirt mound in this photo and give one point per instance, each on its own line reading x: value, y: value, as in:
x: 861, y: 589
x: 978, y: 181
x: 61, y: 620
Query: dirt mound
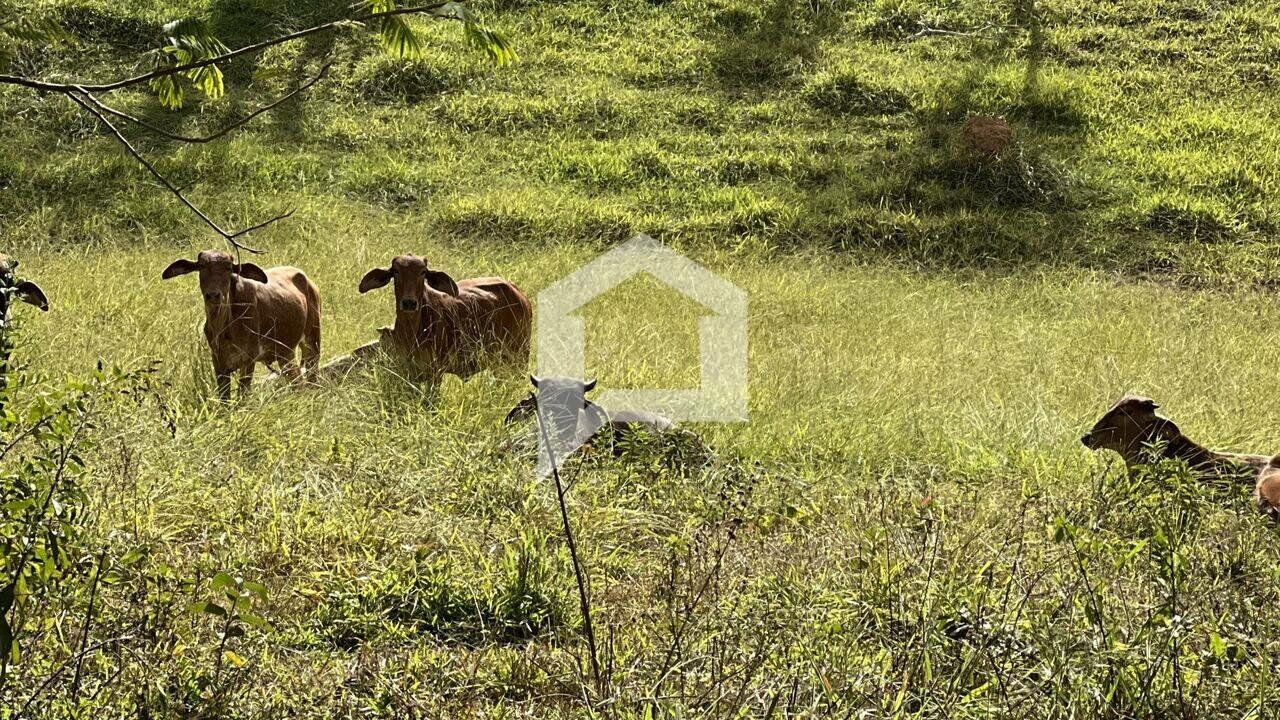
x: 986, y: 136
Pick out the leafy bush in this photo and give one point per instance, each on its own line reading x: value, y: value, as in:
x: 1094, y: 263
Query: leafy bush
x: 43, y: 438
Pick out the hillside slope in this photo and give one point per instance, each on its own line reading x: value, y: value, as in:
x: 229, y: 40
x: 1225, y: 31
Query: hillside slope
x: 1145, y: 133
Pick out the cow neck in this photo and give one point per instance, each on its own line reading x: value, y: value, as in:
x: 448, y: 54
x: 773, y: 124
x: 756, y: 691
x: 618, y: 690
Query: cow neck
x: 223, y: 319
x: 1193, y: 453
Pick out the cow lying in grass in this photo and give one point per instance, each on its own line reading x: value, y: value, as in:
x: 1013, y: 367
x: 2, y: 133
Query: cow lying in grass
x: 570, y: 420
x: 1133, y: 429
x: 442, y: 326
x: 254, y: 315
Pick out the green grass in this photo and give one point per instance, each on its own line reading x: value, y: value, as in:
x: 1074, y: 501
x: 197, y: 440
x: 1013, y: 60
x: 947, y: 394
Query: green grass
x: 907, y: 524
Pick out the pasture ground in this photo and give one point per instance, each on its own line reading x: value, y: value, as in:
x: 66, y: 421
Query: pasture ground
x: 906, y: 525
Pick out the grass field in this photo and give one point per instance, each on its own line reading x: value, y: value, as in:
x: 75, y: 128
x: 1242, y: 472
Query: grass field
x: 907, y: 525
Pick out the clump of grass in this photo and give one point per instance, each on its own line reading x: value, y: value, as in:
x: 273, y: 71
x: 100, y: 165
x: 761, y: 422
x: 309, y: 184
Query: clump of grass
x: 1020, y: 176
x: 383, y: 79
x: 890, y: 19
x: 841, y: 90
x: 426, y: 595
x: 1055, y: 101
x: 1189, y: 220
x: 95, y: 24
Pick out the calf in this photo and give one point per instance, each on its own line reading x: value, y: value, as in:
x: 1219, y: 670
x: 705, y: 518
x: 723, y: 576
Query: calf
x: 254, y: 315
x: 1266, y: 493
x: 1132, y: 426
x: 445, y: 326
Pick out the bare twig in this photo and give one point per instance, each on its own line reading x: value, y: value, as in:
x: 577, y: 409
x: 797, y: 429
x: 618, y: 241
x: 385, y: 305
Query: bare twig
x: 578, y: 571
x: 50, y: 86
x: 88, y: 623
x: 237, y: 124
x: 84, y: 95
x: 78, y: 657
x: 87, y: 101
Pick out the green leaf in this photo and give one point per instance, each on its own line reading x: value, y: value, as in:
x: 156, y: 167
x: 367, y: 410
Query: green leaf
x: 1217, y: 645
x: 399, y: 39
x: 206, y: 608
x: 256, y: 621
x: 188, y: 40
x: 257, y: 589
x: 222, y: 581
x: 493, y: 43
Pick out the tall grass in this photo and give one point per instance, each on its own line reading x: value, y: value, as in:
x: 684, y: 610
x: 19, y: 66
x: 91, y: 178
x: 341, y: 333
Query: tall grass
x: 905, y: 526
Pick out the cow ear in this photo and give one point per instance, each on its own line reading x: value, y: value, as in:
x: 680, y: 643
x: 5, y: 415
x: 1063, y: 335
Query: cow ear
x: 250, y: 271
x: 374, y: 279
x: 31, y: 293
x: 441, y: 282
x: 179, y: 267
x: 589, y: 385
x: 535, y: 380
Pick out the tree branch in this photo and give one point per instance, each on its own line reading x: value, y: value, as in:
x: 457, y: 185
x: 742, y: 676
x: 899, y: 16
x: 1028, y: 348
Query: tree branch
x: 86, y: 100
x: 237, y: 124
x: 85, y: 95
x: 50, y: 86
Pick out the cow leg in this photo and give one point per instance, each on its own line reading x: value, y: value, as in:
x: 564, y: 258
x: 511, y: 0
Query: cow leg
x: 246, y: 381
x: 311, y: 343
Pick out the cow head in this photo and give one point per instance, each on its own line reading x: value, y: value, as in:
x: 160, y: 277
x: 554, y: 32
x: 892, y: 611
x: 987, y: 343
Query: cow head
x: 11, y: 287
x: 561, y: 400
x: 218, y: 271
x: 413, y: 280
x: 1129, y: 426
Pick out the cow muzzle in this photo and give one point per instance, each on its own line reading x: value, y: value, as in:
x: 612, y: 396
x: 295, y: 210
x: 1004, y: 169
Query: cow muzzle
x: 408, y: 304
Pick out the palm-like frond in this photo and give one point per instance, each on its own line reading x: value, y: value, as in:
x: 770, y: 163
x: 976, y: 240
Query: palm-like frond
x: 188, y: 40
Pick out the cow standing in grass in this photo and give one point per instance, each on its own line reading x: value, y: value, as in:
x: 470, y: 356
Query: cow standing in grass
x: 442, y: 326
x: 254, y: 315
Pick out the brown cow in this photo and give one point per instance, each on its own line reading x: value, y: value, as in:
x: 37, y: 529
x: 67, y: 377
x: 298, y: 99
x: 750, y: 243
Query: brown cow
x: 1266, y: 493
x: 452, y: 327
x: 1132, y: 426
x: 253, y: 316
